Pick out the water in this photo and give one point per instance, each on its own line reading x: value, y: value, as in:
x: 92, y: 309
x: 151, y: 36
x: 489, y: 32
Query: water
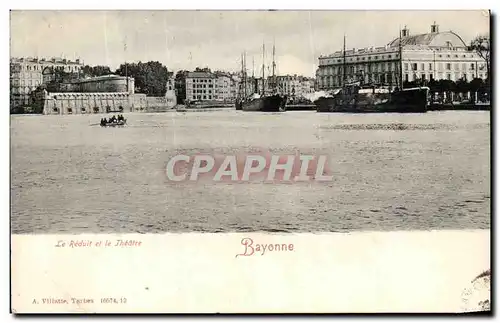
x: 391, y: 172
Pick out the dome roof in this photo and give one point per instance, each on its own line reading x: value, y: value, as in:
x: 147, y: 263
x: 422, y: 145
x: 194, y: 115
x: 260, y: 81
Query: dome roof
x: 441, y: 39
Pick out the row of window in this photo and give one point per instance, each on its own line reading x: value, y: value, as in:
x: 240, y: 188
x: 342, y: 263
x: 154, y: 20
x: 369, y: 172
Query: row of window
x: 31, y: 82
x: 364, y: 58
x: 447, y: 76
x: 202, y: 80
x: 447, y: 66
x: 376, y: 57
x: 26, y: 75
x: 382, y: 67
x: 202, y: 97
x: 332, y: 70
x: 22, y: 90
x: 199, y: 86
x: 39, y: 68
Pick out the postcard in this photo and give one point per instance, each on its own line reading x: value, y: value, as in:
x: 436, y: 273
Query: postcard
x: 297, y: 162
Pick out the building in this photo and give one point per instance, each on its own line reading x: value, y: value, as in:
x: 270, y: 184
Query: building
x: 295, y: 85
x: 224, y: 89
x: 103, y: 94
x: 26, y: 74
x: 206, y: 86
x: 105, y: 83
x: 434, y: 55
x: 201, y: 86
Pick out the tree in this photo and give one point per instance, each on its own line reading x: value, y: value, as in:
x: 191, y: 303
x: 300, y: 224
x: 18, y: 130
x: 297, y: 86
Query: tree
x: 434, y: 88
x: 205, y: 69
x: 461, y: 87
x: 180, y: 86
x: 93, y: 71
x: 475, y: 85
x: 481, y: 45
x: 150, y: 78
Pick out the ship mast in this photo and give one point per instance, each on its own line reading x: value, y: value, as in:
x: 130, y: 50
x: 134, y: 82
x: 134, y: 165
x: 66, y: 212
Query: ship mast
x: 245, y: 73
x: 400, y: 76
x: 242, y: 76
x: 253, y: 67
x: 343, y: 67
x: 274, y: 67
x: 263, y: 67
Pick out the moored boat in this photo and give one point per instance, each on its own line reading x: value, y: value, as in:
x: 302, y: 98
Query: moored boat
x: 353, y: 99
x: 267, y: 103
x: 264, y: 102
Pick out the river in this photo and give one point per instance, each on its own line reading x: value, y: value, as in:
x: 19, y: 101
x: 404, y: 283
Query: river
x: 390, y: 172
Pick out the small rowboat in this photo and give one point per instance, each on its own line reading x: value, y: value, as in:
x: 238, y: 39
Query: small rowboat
x: 115, y: 124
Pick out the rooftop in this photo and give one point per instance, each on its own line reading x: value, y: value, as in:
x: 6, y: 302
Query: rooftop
x: 437, y: 39
x: 200, y: 75
x: 53, y: 60
x: 433, y: 39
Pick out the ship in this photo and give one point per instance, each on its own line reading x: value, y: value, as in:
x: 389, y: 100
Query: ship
x: 263, y: 102
x: 354, y: 98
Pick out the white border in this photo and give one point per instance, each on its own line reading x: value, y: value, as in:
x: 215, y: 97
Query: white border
x: 147, y: 4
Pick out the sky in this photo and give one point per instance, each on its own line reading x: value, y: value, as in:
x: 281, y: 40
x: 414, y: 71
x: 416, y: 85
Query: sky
x: 216, y: 39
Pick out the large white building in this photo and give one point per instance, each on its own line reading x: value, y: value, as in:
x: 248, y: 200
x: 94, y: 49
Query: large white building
x: 208, y: 86
x: 435, y: 55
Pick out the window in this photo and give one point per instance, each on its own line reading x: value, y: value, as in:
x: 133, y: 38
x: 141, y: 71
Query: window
x: 431, y: 76
x: 406, y: 66
x: 448, y: 66
x: 406, y: 77
x: 414, y: 66
x: 472, y: 66
x: 423, y: 77
x: 465, y: 77
x: 430, y: 66
x: 423, y: 67
x: 448, y: 76
x: 390, y: 56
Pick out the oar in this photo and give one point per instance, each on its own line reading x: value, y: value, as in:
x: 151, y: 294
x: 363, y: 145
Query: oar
x: 95, y: 124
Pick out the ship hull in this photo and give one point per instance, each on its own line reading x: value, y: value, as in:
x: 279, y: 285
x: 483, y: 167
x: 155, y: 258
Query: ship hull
x: 271, y: 103
x: 406, y: 101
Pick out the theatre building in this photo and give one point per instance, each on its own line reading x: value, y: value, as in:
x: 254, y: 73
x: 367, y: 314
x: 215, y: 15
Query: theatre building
x: 434, y: 55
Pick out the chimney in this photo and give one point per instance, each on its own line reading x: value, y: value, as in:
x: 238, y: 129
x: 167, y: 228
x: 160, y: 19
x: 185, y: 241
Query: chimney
x: 405, y: 32
x: 434, y: 28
